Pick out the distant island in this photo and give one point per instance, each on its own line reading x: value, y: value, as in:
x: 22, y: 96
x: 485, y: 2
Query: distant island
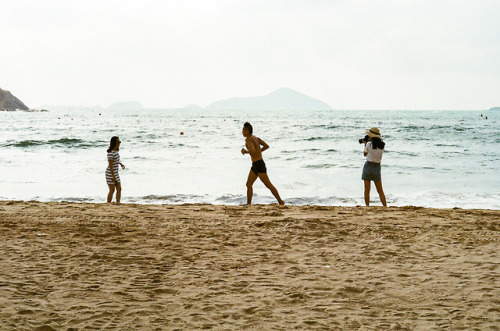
x: 126, y: 105
x: 282, y: 99
x: 9, y: 102
x: 495, y: 108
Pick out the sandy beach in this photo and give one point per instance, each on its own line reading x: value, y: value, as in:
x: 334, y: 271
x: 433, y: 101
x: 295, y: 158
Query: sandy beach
x: 97, y: 266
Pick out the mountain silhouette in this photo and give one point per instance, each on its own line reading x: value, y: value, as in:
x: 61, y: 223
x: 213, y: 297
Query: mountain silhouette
x: 282, y: 99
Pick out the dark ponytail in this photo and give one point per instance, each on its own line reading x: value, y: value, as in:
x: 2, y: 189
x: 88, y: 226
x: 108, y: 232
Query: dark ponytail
x: 112, y: 144
x: 377, y: 143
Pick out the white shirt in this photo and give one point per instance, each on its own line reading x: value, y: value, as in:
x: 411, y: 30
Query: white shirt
x: 373, y: 155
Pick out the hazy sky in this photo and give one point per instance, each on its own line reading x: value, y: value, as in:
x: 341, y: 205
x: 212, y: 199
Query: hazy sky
x: 360, y: 54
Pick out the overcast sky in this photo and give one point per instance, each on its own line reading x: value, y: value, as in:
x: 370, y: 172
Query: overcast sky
x: 360, y: 54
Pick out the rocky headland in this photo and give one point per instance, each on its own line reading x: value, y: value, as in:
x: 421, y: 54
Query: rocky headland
x: 9, y: 102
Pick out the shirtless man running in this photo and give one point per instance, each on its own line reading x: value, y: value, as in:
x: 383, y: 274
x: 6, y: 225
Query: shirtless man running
x: 258, y: 169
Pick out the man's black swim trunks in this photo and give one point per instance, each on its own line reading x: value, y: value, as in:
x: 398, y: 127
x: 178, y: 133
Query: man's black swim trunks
x: 259, y: 167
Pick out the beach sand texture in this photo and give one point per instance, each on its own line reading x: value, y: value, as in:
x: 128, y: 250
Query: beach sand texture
x: 76, y: 266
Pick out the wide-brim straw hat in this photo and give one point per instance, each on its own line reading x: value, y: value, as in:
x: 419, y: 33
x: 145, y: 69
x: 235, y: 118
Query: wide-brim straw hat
x: 374, y: 133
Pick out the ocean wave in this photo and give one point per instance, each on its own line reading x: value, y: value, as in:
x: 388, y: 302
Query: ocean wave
x: 432, y: 199
x: 440, y: 128
x: 314, y: 138
x: 326, y: 201
x: 447, y: 145
x: 320, y: 166
x: 232, y: 199
x: 306, y: 150
x: 74, y: 199
x: 404, y: 154
x: 171, y: 198
x: 324, y: 126
x: 435, y: 199
x: 63, y: 142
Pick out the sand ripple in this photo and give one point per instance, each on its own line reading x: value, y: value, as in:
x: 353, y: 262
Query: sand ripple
x: 75, y: 266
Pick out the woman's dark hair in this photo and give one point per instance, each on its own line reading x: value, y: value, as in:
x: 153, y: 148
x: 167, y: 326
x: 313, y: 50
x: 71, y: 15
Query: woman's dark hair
x: 112, y: 144
x: 249, y: 127
x: 377, y: 143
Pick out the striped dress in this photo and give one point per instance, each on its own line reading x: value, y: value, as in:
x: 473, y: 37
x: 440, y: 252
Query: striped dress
x: 113, y: 155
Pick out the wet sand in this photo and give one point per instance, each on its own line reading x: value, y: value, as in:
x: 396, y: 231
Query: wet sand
x: 97, y: 266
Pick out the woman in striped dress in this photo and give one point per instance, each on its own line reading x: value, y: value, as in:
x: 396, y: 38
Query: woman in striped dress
x: 112, y: 176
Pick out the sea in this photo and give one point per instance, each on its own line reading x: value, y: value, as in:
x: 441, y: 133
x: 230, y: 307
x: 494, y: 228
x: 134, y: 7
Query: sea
x: 441, y: 159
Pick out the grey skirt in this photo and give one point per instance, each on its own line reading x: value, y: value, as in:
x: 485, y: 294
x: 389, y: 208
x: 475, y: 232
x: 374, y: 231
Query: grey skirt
x: 371, y: 171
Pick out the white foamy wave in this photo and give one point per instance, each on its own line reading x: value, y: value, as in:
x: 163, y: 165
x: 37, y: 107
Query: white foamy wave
x: 449, y: 200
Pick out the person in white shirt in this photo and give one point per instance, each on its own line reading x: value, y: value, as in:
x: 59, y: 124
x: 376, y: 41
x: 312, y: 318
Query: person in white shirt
x: 374, y: 148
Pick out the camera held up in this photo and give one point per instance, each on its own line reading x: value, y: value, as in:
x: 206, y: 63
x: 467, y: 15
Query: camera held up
x: 364, y: 140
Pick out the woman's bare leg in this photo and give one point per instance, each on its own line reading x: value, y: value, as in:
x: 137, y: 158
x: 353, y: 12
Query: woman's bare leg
x: 118, y: 192
x: 111, y: 191
x: 367, y: 193
x: 381, y: 194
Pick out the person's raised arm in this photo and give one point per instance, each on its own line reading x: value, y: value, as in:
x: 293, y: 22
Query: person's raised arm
x: 263, y: 144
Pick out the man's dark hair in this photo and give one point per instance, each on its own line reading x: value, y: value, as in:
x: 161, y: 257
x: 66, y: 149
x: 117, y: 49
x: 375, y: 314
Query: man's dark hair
x: 249, y: 127
x: 377, y: 143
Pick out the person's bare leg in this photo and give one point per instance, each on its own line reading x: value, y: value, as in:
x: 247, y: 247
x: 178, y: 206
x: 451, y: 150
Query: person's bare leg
x: 381, y: 194
x: 265, y: 179
x: 118, y: 192
x: 252, y: 177
x: 367, y: 193
x: 111, y: 191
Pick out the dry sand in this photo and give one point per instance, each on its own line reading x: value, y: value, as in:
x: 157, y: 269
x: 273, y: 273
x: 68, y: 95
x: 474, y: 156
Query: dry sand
x: 96, y: 266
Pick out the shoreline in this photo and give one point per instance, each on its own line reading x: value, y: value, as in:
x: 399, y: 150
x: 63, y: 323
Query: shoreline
x: 192, y: 266
x: 136, y: 204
